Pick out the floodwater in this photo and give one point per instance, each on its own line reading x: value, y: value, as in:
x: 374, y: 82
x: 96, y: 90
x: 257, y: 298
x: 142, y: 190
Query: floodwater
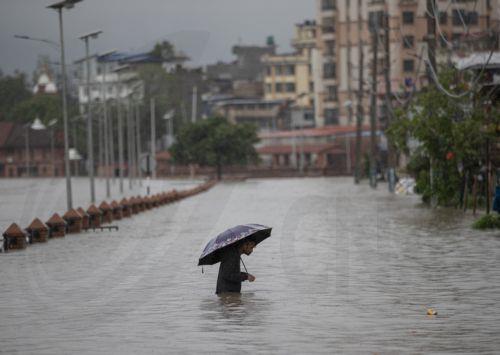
x: 346, y: 270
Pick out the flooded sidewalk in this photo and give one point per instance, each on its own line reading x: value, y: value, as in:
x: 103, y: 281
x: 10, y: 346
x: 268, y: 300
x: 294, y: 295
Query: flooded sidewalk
x: 347, y: 270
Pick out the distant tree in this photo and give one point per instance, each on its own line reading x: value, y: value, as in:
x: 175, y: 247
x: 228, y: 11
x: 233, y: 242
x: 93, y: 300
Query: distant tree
x: 451, y: 133
x: 13, y: 90
x: 217, y: 143
x: 171, y: 91
x: 164, y: 50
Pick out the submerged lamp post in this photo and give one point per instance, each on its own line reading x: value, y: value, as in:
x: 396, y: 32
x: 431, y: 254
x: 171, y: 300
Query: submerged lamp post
x: 37, y: 125
x: 90, y: 139
x: 59, y: 6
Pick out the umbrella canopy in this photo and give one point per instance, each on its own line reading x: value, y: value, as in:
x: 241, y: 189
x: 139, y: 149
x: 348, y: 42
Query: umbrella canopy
x: 254, y: 232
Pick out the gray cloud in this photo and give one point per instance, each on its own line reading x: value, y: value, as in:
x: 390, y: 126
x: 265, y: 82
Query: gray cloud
x: 205, y: 29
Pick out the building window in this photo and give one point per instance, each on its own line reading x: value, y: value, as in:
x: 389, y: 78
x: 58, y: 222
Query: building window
x: 269, y: 88
x: 289, y: 70
x: 330, y: 48
x: 375, y: 20
x: 327, y: 4
x: 278, y: 70
x: 331, y: 116
x: 328, y: 25
x: 408, y: 18
x: 472, y: 18
x: 331, y: 93
x: 311, y: 87
x: 408, y: 41
x: 268, y: 71
x: 458, y: 17
x: 408, y: 65
x: 290, y: 87
x: 443, y: 18
x: 329, y: 71
x: 279, y: 87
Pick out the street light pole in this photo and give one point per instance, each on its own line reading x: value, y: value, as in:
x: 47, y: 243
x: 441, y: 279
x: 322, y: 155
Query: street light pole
x: 138, y: 141
x: 59, y: 6
x: 153, y: 140
x: 27, y: 136
x: 90, y: 138
x: 106, y: 131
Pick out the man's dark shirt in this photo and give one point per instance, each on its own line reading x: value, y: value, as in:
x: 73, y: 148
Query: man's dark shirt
x: 230, y: 276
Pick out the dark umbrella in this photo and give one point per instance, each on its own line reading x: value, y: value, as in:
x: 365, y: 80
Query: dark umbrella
x: 254, y: 232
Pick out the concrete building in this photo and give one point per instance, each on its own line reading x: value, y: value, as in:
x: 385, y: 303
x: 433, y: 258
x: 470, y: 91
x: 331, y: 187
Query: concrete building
x: 461, y: 26
x: 331, y: 148
x: 244, y: 76
x: 289, y: 76
x: 106, y: 82
x: 267, y: 115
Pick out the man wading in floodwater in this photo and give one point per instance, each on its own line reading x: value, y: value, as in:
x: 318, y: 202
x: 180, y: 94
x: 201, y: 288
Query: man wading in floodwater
x: 227, y: 248
x: 230, y: 277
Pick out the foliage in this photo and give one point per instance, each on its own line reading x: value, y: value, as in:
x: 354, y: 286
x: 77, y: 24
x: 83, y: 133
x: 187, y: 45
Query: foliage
x: 489, y: 221
x: 450, y: 137
x: 164, y: 50
x: 171, y: 91
x: 45, y: 107
x: 215, y: 142
x: 13, y: 90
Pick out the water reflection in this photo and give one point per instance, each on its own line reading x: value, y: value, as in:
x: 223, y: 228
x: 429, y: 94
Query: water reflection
x: 234, y: 309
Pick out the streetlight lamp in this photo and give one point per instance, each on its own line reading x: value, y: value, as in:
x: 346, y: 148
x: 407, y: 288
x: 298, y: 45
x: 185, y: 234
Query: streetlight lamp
x: 90, y: 139
x: 51, y: 124
x: 107, y: 123
x: 66, y: 4
x: 37, y: 125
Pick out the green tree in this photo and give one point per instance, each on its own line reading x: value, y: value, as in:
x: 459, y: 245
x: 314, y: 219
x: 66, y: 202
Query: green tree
x: 13, y: 90
x: 217, y: 143
x: 450, y: 134
x: 163, y: 50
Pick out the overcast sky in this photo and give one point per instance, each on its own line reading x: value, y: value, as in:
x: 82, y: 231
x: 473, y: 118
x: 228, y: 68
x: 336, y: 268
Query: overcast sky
x: 204, y: 29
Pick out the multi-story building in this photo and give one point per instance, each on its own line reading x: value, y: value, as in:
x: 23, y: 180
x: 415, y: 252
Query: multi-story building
x: 289, y: 76
x: 243, y: 76
x: 292, y: 76
x: 346, y: 26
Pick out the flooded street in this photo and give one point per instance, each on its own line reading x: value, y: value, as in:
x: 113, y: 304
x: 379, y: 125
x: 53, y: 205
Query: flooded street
x: 346, y: 270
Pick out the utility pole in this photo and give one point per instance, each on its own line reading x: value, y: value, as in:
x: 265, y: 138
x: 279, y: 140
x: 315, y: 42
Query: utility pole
x: 349, y: 89
x: 195, y: 104
x: 138, y: 141
x: 129, y: 143
x: 360, y: 113
x: 373, y: 104
x: 120, y: 141
x: 90, y: 136
x: 111, y: 145
x: 106, y: 130
x: 153, y: 140
x: 431, y: 53
x: 391, y: 159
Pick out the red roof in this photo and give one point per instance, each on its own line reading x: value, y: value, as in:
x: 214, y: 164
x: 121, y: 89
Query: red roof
x: 37, y: 225
x: 13, y: 231
x: 307, y: 148
x: 55, y: 220
x: 313, y: 132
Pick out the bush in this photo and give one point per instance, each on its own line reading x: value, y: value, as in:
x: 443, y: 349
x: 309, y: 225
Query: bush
x: 489, y: 221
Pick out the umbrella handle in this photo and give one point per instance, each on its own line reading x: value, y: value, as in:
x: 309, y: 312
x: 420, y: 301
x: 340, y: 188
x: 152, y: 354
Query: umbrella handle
x: 243, y: 264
